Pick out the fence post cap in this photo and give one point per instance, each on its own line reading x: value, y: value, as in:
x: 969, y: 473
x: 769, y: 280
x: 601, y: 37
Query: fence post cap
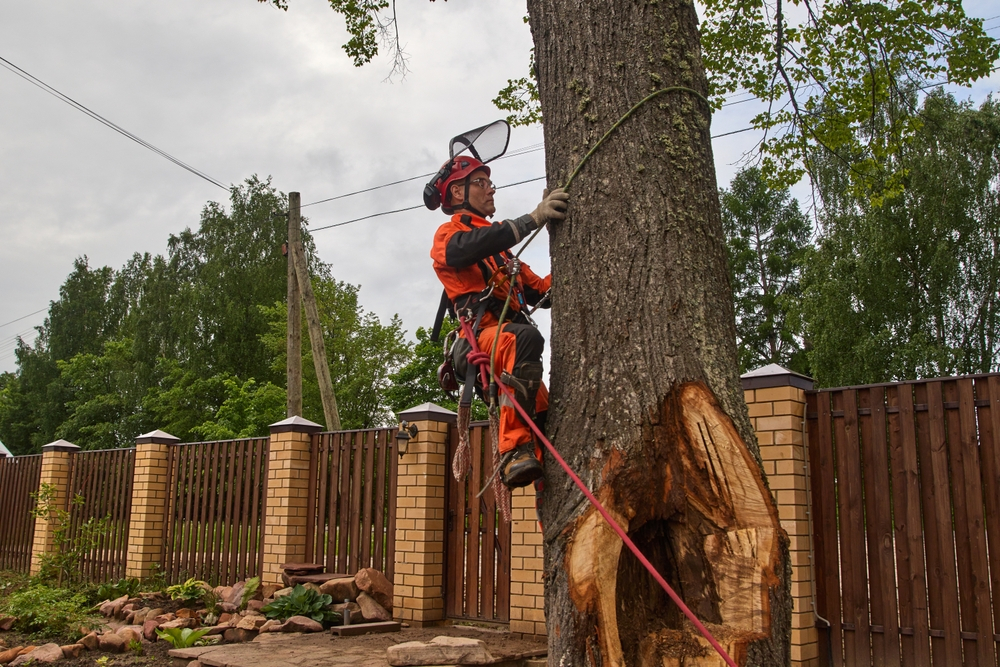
x: 156, y: 438
x: 428, y: 412
x: 295, y: 424
x: 774, y: 375
x: 61, y: 446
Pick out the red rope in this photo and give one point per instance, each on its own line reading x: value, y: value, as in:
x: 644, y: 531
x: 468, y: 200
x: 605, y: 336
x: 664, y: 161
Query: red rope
x: 596, y: 503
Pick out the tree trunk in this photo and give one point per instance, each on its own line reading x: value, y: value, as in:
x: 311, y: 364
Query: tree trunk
x: 646, y: 400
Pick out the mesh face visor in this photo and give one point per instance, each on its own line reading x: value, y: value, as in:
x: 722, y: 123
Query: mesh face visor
x: 485, y: 143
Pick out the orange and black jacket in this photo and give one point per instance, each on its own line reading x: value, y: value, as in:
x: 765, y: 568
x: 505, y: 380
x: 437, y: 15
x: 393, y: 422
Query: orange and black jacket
x: 470, y: 253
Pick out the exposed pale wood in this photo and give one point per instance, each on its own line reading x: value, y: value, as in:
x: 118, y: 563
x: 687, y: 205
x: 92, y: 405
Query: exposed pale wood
x: 293, y: 342
x: 724, y: 538
x: 316, y: 338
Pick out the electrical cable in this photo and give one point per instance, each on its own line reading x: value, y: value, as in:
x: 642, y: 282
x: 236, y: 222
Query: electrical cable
x: 41, y: 310
x: 6, y: 64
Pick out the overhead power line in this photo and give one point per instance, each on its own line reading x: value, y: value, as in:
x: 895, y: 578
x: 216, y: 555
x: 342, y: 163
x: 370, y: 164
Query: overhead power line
x: 40, y: 310
x: 104, y: 121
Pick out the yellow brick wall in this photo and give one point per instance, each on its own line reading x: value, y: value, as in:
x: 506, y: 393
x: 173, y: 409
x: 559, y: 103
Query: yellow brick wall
x: 777, y: 414
x: 55, y: 471
x: 147, y: 523
x: 420, y: 526
x: 287, y: 501
x: 527, y: 589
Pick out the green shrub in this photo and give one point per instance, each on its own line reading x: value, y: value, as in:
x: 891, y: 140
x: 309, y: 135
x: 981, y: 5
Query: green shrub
x: 12, y: 581
x: 249, y: 590
x: 182, y: 637
x: 302, y: 601
x: 191, y: 590
x: 113, y: 590
x: 49, y: 612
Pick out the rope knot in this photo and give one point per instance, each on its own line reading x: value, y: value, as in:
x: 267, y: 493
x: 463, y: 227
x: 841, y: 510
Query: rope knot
x: 478, y: 358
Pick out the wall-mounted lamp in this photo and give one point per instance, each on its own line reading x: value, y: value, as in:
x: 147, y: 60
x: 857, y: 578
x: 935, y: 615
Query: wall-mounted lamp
x: 403, y: 435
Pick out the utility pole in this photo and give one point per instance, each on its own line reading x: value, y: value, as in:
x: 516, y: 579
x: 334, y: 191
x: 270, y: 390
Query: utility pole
x: 293, y: 361
x: 297, y: 253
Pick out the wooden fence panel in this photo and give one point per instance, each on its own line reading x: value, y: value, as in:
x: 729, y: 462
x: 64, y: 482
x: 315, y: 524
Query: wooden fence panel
x: 19, y: 476
x: 905, y: 484
x: 478, y: 542
x: 351, y: 516
x: 216, y: 504
x: 102, y: 481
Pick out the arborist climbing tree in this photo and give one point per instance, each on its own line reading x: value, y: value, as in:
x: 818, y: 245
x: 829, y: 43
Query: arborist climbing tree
x: 481, y: 277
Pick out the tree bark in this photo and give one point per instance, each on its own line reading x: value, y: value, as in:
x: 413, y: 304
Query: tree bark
x: 646, y: 400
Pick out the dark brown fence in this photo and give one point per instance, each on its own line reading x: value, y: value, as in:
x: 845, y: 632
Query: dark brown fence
x: 477, y: 553
x: 351, y: 519
x: 103, y: 482
x: 906, y: 514
x: 19, y: 477
x: 216, y: 495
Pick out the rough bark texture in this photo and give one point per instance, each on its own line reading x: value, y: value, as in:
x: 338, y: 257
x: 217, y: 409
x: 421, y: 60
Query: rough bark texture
x: 646, y: 399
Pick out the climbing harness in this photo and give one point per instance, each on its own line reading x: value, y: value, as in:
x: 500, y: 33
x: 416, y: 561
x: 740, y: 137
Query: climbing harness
x: 487, y: 371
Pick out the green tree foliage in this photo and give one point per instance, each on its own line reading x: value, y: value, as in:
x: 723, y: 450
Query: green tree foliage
x: 361, y: 351
x: 416, y: 382
x: 909, y: 288
x: 766, y: 235
x: 181, y: 342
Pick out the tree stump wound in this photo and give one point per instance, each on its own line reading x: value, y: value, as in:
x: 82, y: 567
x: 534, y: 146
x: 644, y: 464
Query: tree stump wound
x: 702, y: 513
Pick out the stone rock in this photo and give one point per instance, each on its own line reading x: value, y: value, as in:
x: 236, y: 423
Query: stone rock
x: 126, y: 610
x: 225, y: 617
x: 371, y: 610
x: 312, y: 586
x: 440, y: 651
x: 228, y: 607
x: 251, y: 623
x: 130, y: 619
x: 149, y: 630
x: 218, y: 629
x: 374, y: 583
x: 90, y: 641
x: 352, y: 608
x: 128, y: 634
x: 140, y: 615
x: 281, y: 592
x: 222, y: 592
x: 152, y: 595
x: 27, y: 649
x: 72, y: 651
x: 272, y: 625
x: 268, y: 590
x: 340, y: 589
x: 235, y: 595
x: 43, y: 654
x: 180, y: 623
x: 10, y: 654
x: 184, y: 612
x: 255, y: 605
x: 238, y: 635
x: 6, y: 623
x: 111, y: 642
x: 152, y: 613
x: 301, y: 624
x: 110, y: 608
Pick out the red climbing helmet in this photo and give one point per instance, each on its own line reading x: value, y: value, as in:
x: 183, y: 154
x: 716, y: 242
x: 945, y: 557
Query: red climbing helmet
x: 456, y: 169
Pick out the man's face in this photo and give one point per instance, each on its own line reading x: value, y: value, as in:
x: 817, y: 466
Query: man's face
x: 480, y: 193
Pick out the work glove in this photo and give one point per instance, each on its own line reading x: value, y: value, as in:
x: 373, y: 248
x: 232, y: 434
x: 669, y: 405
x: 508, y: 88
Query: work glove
x: 552, y: 207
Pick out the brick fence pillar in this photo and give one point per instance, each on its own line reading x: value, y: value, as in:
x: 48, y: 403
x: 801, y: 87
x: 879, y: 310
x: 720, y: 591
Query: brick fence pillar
x: 148, y: 520
x: 776, y: 399
x: 420, y: 517
x: 287, y: 495
x: 527, y: 588
x: 56, y: 461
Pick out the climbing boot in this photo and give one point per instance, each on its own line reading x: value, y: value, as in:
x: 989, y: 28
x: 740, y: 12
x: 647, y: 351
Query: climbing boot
x: 519, y: 467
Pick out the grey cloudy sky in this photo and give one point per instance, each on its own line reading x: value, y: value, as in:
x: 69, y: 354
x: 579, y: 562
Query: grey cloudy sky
x: 237, y: 88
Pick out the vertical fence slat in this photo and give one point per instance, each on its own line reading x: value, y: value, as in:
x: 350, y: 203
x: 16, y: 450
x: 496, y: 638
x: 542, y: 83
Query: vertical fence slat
x: 825, y: 534
x: 380, y: 509
x: 472, y: 574
x: 332, y: 452
x: 455, y: 540
x: 878, y: 510
x: 989, y: 424
x: 390, y: 529
x: 19, y: 478
x: 368, y: 480
x: 488, y: 554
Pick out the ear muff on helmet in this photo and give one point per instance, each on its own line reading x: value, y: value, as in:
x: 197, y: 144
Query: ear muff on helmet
x: 455, y: 169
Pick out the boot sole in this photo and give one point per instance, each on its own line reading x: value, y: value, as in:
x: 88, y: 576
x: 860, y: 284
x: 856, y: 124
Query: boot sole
x: 523, y: 474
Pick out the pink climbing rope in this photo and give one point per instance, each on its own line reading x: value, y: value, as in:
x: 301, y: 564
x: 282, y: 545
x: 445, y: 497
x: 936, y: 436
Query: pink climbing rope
x: 476, y: 356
